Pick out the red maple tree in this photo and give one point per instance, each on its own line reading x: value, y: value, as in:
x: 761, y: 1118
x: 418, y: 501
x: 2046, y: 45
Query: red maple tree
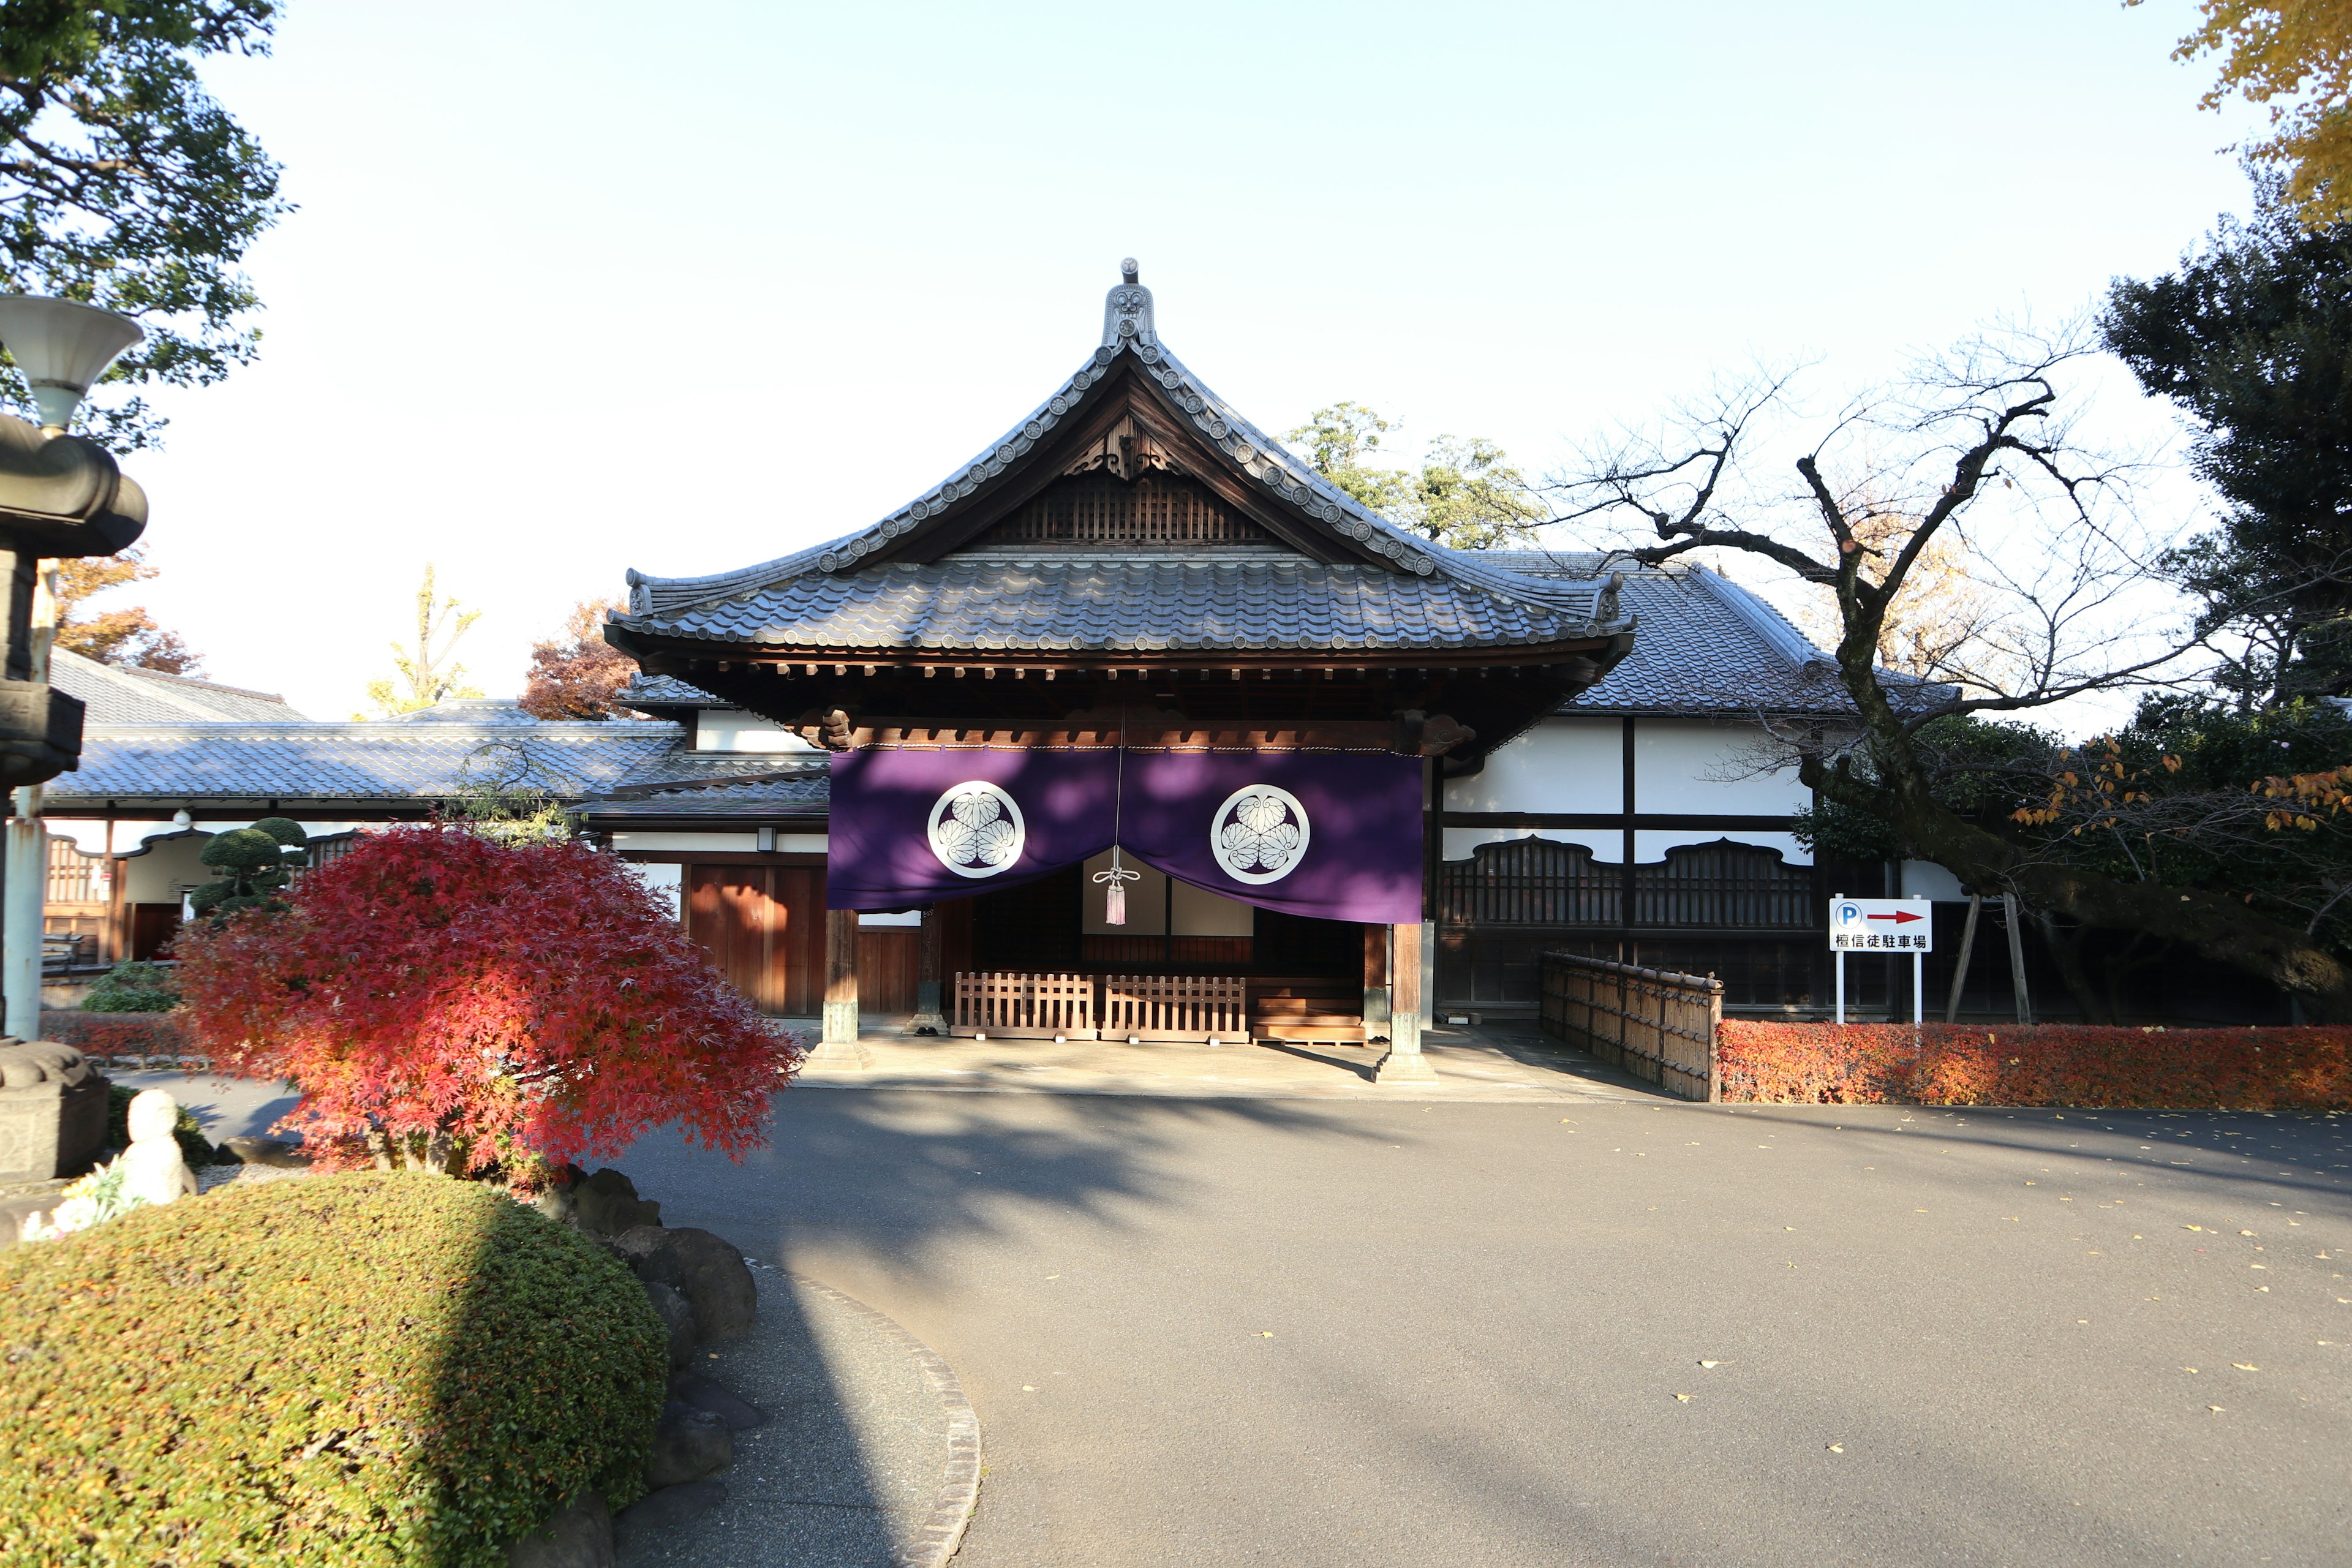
x: 480, y: 1007
x: 577, y: 674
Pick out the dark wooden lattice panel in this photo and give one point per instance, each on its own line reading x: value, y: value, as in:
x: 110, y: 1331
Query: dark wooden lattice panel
x: 1724, y: 886
x: 1099, y: 509
x: 1530, y: 882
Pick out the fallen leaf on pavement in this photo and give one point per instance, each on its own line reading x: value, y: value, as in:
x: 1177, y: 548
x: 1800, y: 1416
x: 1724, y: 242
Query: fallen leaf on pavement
x: 2215, y: 1408
x: 1837, y: 1447
x: 1710, y: 1363
x: 2245, y: 1366
x: 1683, y: 1399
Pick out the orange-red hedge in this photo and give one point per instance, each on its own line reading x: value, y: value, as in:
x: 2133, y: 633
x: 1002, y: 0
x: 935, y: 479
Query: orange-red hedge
x: 109, y: 1036
x: 2041, y: 1064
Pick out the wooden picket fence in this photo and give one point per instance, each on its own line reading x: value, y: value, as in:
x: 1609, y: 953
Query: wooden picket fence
x: 1175, y: 1007
x: 1654, y: 1023
x: 1026, y: 1007
x: 1118, y: 1007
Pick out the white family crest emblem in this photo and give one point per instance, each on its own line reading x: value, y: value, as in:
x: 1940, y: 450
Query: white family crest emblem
x: 976, y: 829
x: 1259, y: 835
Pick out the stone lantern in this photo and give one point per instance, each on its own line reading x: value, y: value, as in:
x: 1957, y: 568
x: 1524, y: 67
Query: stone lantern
x: 61, y: 496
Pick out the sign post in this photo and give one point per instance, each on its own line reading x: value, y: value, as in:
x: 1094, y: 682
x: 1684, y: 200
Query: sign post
x: 1883, y: 926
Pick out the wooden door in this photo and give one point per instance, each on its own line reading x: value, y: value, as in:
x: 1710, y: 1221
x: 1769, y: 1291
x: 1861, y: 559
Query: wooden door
x: 764, y: 927
x: 152, y: 926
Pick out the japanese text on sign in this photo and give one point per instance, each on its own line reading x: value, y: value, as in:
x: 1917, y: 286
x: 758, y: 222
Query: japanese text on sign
x: 1882, y: 925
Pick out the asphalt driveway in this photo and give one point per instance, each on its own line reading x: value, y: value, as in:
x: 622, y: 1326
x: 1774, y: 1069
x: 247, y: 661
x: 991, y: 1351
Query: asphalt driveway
x: 1273, y: 1331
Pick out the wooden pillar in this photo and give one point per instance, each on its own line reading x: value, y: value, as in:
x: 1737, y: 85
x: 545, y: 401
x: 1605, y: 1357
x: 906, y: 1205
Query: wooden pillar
x: 929, y: 945
x: 1376, y: 981
x: 1404, y: 1062
x: 838, y: 1044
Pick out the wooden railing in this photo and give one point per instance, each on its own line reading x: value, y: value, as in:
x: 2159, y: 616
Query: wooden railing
x: 1117, y: 1008
x: 1655, y: 1025
x: 1175, y: 1007
x: 1026, y: 1007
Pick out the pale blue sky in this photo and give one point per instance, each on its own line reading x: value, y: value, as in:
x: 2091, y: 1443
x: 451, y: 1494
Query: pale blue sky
x: 577, y: 287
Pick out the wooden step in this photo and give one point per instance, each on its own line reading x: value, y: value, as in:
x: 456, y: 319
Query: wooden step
x: 1310, y: 1034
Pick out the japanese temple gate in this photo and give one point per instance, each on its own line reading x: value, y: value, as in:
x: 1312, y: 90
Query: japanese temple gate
x: 1135, y: 653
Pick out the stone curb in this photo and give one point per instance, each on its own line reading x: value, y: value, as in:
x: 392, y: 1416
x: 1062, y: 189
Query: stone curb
x: 959, y: 1490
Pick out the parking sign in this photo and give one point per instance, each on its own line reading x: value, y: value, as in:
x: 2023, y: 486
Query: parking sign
x: 1882, y: 925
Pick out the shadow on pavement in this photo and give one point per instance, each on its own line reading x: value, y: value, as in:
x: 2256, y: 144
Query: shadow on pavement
x: 2308, y: 1153
x: 801, y: 1489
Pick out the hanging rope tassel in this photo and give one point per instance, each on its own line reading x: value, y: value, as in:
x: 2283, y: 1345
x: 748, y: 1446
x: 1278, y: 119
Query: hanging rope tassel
x: 1115, y: 881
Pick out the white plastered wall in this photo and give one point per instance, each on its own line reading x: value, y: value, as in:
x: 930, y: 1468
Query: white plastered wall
x: 733, y: 730
x: 1561, y: 765
x: 159, y: 876
x: 1686, y: 767
x: 1683, y: 767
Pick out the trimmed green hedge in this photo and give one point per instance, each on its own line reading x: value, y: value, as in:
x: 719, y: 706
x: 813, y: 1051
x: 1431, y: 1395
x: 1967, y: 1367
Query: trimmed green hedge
x: 378, y: 1368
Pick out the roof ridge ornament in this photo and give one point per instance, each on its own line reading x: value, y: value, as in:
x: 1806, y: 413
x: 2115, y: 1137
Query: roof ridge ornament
x: 1127, y: 311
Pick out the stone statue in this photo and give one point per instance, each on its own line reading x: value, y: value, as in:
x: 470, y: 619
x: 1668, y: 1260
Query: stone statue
x: 153, y: 1168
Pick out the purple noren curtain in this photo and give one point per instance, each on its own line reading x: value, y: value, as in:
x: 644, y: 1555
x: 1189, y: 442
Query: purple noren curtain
x: 1336, y: 837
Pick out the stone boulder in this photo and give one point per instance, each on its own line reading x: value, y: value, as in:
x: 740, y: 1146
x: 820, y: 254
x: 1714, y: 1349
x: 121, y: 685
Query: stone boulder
x: 275, y: 1153
x: 706, y: 1270
x: 676, y: 1316
x: 607, y: 1203
x: 52, y: 1110
x: 580, y: 1535
x: 646, y: 1520
x: 689, y: 1445
x: 693, y: 1389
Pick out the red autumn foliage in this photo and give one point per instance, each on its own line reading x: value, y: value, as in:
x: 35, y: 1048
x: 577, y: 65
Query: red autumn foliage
x: 2040, y: 1064
x: 515, y: 1001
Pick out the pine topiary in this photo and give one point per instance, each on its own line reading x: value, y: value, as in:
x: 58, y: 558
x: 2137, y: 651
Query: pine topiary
x: 256, y: 862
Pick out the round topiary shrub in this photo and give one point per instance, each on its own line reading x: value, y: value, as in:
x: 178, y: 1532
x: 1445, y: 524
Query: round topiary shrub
x: 377, y: 1368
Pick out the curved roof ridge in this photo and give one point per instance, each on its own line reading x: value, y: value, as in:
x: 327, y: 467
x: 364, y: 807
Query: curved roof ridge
x: 1128, y: 327
x: 1761, y: 618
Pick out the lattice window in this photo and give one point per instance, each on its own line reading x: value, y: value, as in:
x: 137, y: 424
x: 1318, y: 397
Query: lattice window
x: 74, y: 876
x: 1530, y: 882
x: 1724, y: 886
x: 1157, y: 509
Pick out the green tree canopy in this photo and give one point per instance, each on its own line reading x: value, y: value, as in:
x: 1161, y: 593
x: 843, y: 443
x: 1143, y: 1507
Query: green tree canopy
x: 1465, y: 493
x: 124, y: 185
x: 2252, y: 338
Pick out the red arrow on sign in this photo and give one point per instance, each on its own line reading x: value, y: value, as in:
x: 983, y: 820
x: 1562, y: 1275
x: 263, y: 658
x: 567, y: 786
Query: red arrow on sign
x: 1897, y: 918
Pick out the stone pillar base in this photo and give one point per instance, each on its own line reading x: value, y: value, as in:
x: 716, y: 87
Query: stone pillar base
x: 1404, y: 1066
x: 839, y: 1054
x: 935, y: 1022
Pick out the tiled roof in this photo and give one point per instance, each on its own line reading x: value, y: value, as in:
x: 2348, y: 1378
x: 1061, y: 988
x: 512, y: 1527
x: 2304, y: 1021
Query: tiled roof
x: 113, y: 695
x: 1708, y: 645
x: 353, y: 761
x: 650, y: 691
x: 1458, y: 603
x: 802, y: 791
x: 1096, y: 604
